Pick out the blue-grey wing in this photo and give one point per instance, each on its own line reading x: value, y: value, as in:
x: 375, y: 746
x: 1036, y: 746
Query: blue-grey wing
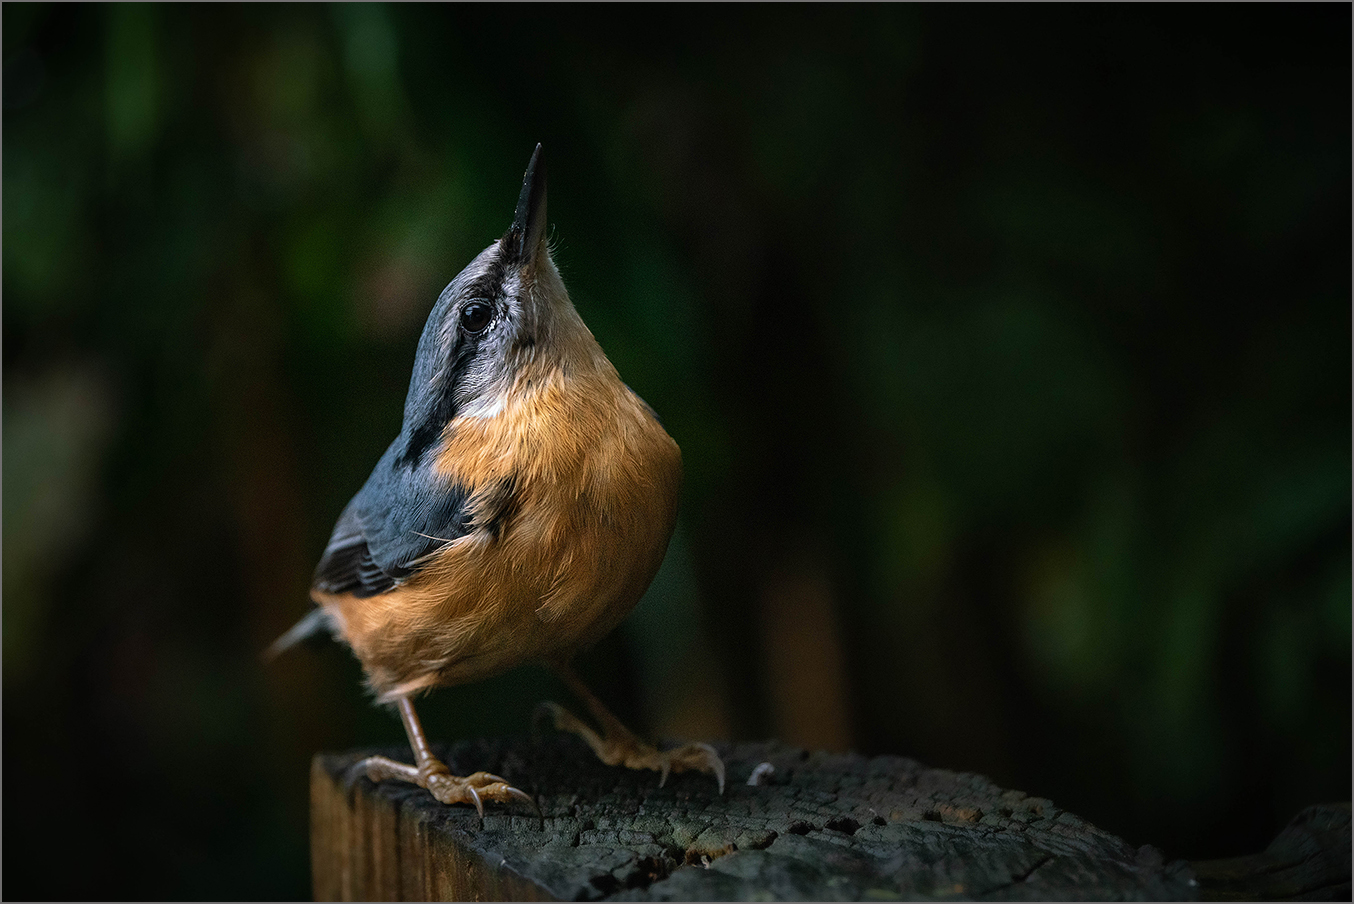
x: 398, y: 519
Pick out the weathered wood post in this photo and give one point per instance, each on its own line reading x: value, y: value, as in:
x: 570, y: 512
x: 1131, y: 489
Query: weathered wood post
x: 808, y: 826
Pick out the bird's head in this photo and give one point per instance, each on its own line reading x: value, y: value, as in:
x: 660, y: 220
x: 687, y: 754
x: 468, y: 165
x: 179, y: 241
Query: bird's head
x: 505, y: 313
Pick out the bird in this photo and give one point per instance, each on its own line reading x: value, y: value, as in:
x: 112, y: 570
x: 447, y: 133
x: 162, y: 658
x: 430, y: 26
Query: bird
x: 519, y: 515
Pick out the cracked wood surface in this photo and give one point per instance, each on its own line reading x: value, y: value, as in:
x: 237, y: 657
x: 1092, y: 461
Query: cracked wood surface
x: 815, y: 827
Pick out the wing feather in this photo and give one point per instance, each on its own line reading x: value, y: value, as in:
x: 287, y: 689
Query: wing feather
x: 400, y: 517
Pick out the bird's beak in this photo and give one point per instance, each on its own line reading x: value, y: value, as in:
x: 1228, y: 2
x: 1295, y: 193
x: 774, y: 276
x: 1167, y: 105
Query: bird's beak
x: 528, y: 224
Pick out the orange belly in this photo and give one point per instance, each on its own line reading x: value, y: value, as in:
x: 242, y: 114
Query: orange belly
x: 595, y: 484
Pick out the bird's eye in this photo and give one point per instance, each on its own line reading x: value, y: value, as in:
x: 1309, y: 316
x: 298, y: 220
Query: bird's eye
x: 475, y: 316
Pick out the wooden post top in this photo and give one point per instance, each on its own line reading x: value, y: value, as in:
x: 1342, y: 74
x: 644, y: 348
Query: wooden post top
x: 812, y: 826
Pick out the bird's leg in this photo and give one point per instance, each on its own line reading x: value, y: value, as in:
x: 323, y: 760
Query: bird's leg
x: 618, y: 746
x: 431, y: 773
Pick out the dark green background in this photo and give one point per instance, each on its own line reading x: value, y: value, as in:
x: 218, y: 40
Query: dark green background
x: 1008, y: 349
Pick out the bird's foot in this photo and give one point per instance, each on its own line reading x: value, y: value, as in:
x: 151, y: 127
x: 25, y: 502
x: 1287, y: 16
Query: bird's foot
x: 620, y: 747
x: 442, y: 785
x: 696, y: 757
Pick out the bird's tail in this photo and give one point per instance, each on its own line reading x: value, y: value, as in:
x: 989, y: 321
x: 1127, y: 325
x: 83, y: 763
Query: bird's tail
x: 314, y: 623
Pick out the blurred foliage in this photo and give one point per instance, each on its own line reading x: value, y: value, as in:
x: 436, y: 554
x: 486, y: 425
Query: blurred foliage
x: 1008, y: 349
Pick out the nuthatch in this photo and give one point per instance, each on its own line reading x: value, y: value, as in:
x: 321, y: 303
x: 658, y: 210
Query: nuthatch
x: 519, y: 515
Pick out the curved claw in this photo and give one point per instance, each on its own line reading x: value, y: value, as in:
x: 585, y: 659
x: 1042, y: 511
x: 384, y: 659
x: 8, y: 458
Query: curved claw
x: 355, y: 771
x: 518, y: 794
x: 715, y: 764
x: 698, y: 756
x: 486, y: 786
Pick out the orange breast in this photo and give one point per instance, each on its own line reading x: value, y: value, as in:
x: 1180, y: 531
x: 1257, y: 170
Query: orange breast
x: 583, y: 482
